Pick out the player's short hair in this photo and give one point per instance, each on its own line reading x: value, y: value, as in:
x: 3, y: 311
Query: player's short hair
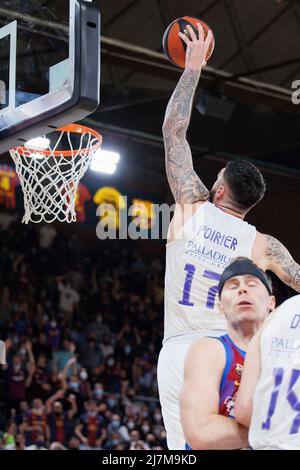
x: 246, y: 183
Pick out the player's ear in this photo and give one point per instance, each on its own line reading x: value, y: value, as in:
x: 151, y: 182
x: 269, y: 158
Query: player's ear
x: 221, y: 308
x: 220, y: 192
x: 272, y: 303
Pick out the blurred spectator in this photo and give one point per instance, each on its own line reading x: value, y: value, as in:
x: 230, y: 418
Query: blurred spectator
x: 41, y: 380
x: 47, y: 234
x: 53, y: 333
x: 74, y: 443
x: 91, y: 430
x: 68, y: 298
x: 62, y: 356
x: 20, y: 442
x: 57, y: 446
x: 61, y: 423
x: 39, y: 443
x: 18, y: 380
x: 36, y: 423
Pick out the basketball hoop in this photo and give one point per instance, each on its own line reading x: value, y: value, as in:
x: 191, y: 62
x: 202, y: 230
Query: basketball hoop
x: 50, y: 177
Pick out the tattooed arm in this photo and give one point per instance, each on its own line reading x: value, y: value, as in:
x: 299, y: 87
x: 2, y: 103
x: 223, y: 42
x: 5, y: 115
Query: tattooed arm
x: 185, y: 185
x: 281, y: 263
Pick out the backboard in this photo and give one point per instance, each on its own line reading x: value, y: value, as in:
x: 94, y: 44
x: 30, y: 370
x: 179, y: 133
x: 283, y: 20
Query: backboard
x: 49, y: 66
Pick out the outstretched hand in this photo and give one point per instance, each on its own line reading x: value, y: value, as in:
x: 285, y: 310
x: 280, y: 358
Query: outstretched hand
x: 196, y: 47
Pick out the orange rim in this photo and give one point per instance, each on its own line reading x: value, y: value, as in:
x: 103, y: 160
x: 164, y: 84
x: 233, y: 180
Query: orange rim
x: 75, y: 129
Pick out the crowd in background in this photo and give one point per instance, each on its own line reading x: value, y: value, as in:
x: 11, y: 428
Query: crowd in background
x: 83, y: 328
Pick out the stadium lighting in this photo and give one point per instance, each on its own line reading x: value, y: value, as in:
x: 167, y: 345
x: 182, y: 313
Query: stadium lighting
x: 38, y: 143
x: 105, y: 162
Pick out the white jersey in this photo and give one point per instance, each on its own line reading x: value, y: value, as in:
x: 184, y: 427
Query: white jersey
x: 275, y: 422
x: 195, y: 260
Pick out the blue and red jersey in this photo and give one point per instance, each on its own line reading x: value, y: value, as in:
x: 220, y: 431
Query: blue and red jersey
x: 231, y: 376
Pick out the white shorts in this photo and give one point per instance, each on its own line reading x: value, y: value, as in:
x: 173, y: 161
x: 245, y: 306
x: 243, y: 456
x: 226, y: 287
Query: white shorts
x: 170, y: 370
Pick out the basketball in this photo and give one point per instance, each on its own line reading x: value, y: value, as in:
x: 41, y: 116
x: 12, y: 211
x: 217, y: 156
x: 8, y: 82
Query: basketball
x: 174, y: 47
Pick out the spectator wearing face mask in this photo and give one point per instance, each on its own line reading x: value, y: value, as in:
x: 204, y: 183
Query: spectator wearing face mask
x: 112, y: 402
x: 74, y: 385
x: 77, y: 383
x: 145, y: 413
x: 91, y: 428
x: 112, y: 441
x: 98, y: 391
x: 111, y: 375
x: 157, y: 416
x: 115, y: 423
x: 85, y: 386
x: 145, y: 427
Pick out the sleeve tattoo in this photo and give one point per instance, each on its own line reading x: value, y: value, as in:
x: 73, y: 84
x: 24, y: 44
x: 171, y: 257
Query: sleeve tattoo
x: 280, y: 257
x: 185, y: 184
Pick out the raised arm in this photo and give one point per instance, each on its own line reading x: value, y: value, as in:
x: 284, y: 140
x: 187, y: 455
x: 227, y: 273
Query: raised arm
x: 280, y: 261
x: 185, y: 184
x: 203, y: 427
x: 56, y: 396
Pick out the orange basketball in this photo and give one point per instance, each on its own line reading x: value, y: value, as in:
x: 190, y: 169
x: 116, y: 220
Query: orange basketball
x: 174, y: 47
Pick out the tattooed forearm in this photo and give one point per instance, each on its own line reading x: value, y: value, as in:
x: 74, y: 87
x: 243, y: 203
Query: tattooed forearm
x: 283, y: 263
x: 180, y: 105
x: 183, y: 180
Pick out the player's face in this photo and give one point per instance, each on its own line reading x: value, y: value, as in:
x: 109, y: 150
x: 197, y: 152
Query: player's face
x: 245, y: 298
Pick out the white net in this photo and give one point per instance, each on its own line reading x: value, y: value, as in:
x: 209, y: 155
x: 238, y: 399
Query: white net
x: 50, y: 177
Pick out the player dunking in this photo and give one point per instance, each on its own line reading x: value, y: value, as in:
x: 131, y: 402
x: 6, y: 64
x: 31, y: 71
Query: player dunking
x: 206, y: 233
